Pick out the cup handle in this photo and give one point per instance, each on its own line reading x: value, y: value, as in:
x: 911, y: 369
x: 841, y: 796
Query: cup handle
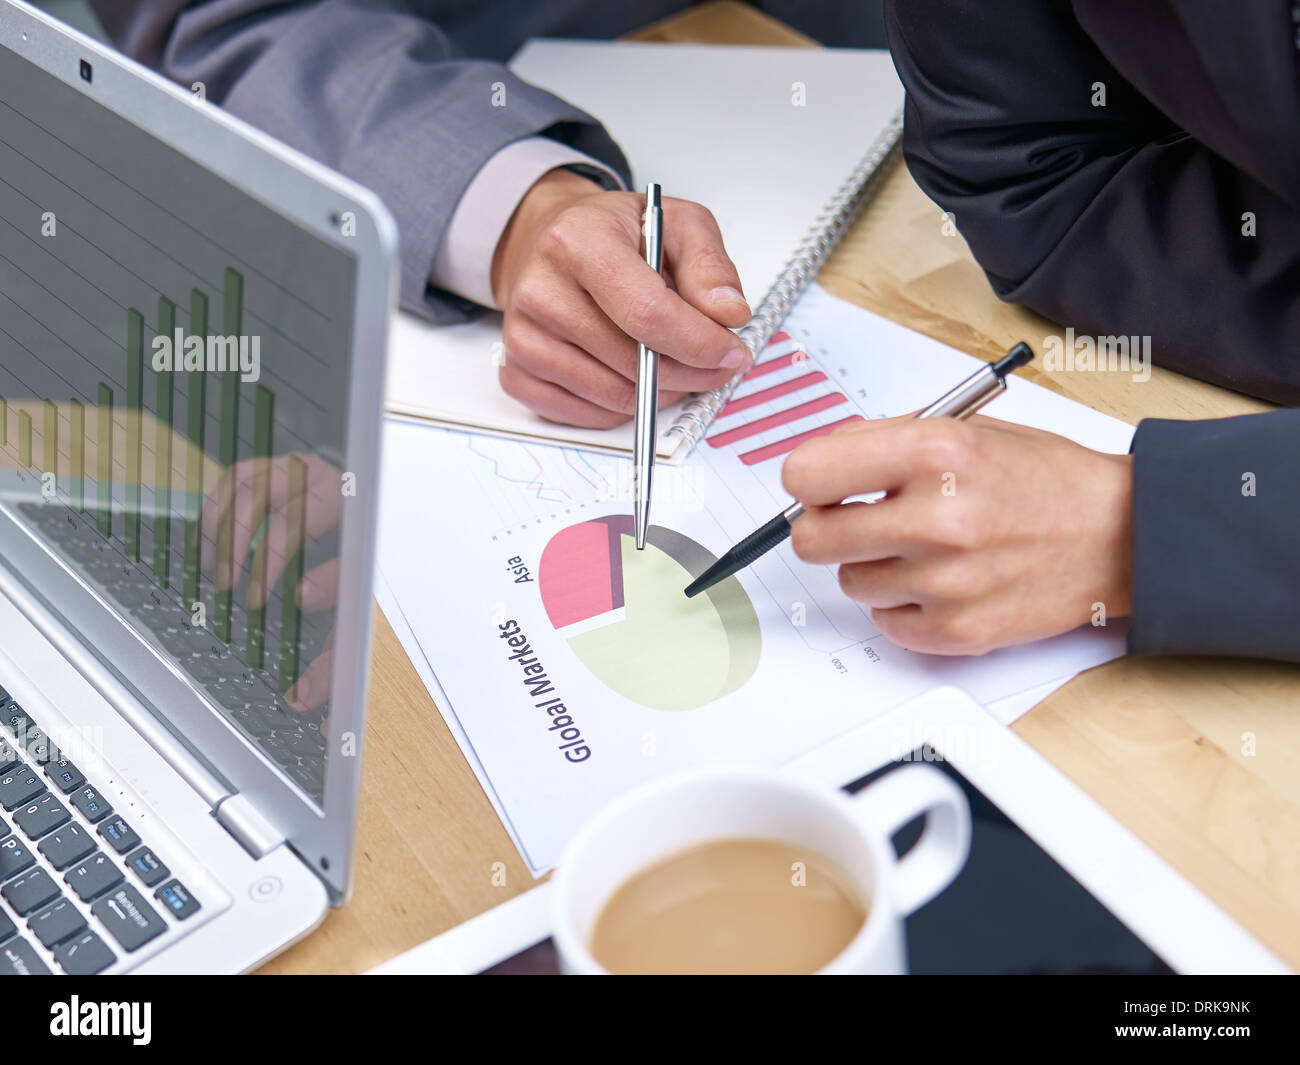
x: 938, y: 856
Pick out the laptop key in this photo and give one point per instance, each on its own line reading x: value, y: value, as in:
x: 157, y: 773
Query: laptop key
x: 30, y: 891
x: 4, y: 828
x: 38, y: 746
x: 14, y: 857
x: 15, y: 718
x: 63, y: 775
x: 8, y: 756
x: 58, y: 921
x: 118, y: 834
x: 19, y: 786
x: 7, y: 926
x: 129, y: 919
x: 179, y: 902
x: 91, y: 803
x: 18, y: 958
x: 41, y: 817
x: 85, y: 955
x: 145, y: 864
x: 69, y: 844
x: 92, y: 877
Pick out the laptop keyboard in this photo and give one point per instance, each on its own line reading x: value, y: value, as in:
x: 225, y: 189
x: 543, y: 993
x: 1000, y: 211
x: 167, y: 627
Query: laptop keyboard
x: 293, y: 740
x: 79, y: 889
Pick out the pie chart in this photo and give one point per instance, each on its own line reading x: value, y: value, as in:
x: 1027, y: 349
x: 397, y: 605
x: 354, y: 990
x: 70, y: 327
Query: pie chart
x: 625, y: 616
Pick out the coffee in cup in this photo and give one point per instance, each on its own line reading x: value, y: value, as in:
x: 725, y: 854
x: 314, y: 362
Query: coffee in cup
x: 730, y: 906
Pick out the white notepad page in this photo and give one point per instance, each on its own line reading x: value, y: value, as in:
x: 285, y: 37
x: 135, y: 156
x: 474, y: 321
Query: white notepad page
x: 762, y: 136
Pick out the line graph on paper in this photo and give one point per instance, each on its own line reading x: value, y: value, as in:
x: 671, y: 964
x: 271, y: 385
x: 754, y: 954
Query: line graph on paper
x: 526, y: 484
x: 529, y: 485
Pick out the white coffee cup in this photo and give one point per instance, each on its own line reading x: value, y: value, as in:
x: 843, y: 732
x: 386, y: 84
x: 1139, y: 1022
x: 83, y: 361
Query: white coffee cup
x: 676, y: 813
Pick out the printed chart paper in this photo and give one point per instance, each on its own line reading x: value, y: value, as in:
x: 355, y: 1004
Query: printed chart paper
x: 574, y: 665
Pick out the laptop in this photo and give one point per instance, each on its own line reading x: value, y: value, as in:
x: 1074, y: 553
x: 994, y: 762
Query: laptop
x: 193, y: 321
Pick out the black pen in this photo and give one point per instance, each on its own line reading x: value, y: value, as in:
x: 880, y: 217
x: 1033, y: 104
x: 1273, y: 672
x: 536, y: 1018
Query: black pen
x: 984, y: 384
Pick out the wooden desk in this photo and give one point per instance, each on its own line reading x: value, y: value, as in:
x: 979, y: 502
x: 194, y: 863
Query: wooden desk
x: 1162, y: 744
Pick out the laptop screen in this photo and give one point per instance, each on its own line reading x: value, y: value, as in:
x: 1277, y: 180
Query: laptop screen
x: 173, y: 385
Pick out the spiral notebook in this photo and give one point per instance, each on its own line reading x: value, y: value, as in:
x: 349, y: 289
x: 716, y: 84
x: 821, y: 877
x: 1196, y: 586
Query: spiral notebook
x: 784, y: 145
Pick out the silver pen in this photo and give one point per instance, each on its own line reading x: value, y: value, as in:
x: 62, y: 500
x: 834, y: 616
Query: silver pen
x: 961, y: 402
x: 646, y: 438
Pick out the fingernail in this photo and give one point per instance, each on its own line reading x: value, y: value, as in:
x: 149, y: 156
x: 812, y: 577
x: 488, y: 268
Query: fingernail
x: 735, y: 358
x: 727, y: 294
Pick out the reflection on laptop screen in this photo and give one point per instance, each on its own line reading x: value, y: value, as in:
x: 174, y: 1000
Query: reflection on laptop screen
x: 173, y: 381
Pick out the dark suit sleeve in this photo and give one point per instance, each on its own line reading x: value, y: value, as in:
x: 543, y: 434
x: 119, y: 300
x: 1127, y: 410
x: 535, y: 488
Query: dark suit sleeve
x: 1110, y: 219
x: 372, y: 89
x: 1216, y: 537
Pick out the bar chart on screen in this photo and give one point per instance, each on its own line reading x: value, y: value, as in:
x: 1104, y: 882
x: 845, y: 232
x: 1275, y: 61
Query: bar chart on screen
x: 135, y: 473
x: 161, y: 376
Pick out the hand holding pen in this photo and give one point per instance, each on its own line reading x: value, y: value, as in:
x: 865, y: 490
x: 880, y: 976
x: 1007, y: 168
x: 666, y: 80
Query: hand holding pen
x: 571, y: 278
x: 989, y: 533
x: 961, y: 402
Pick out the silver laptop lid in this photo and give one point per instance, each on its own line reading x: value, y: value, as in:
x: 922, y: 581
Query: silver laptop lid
x: 193, y: 323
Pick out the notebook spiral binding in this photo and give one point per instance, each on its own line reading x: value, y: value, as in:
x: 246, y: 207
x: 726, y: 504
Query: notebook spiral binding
x: 800, y: 269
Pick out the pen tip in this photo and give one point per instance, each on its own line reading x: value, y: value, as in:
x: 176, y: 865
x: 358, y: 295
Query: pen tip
x: 694, y: 588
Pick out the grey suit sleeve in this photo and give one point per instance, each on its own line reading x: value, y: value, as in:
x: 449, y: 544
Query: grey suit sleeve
x: 1216, y: 537
x: 371, y: 89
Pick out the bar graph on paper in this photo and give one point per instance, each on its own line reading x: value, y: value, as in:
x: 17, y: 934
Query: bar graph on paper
x: 781, y: 402
x: 798, y: 389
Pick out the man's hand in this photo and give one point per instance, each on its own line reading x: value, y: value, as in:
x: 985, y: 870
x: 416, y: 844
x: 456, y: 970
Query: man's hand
x: 991, y: 534
x: 578, y: 296
x: 257, y: 496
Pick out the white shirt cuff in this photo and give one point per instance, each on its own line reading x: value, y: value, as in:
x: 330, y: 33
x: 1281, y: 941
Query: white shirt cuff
x: 463, y: 263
